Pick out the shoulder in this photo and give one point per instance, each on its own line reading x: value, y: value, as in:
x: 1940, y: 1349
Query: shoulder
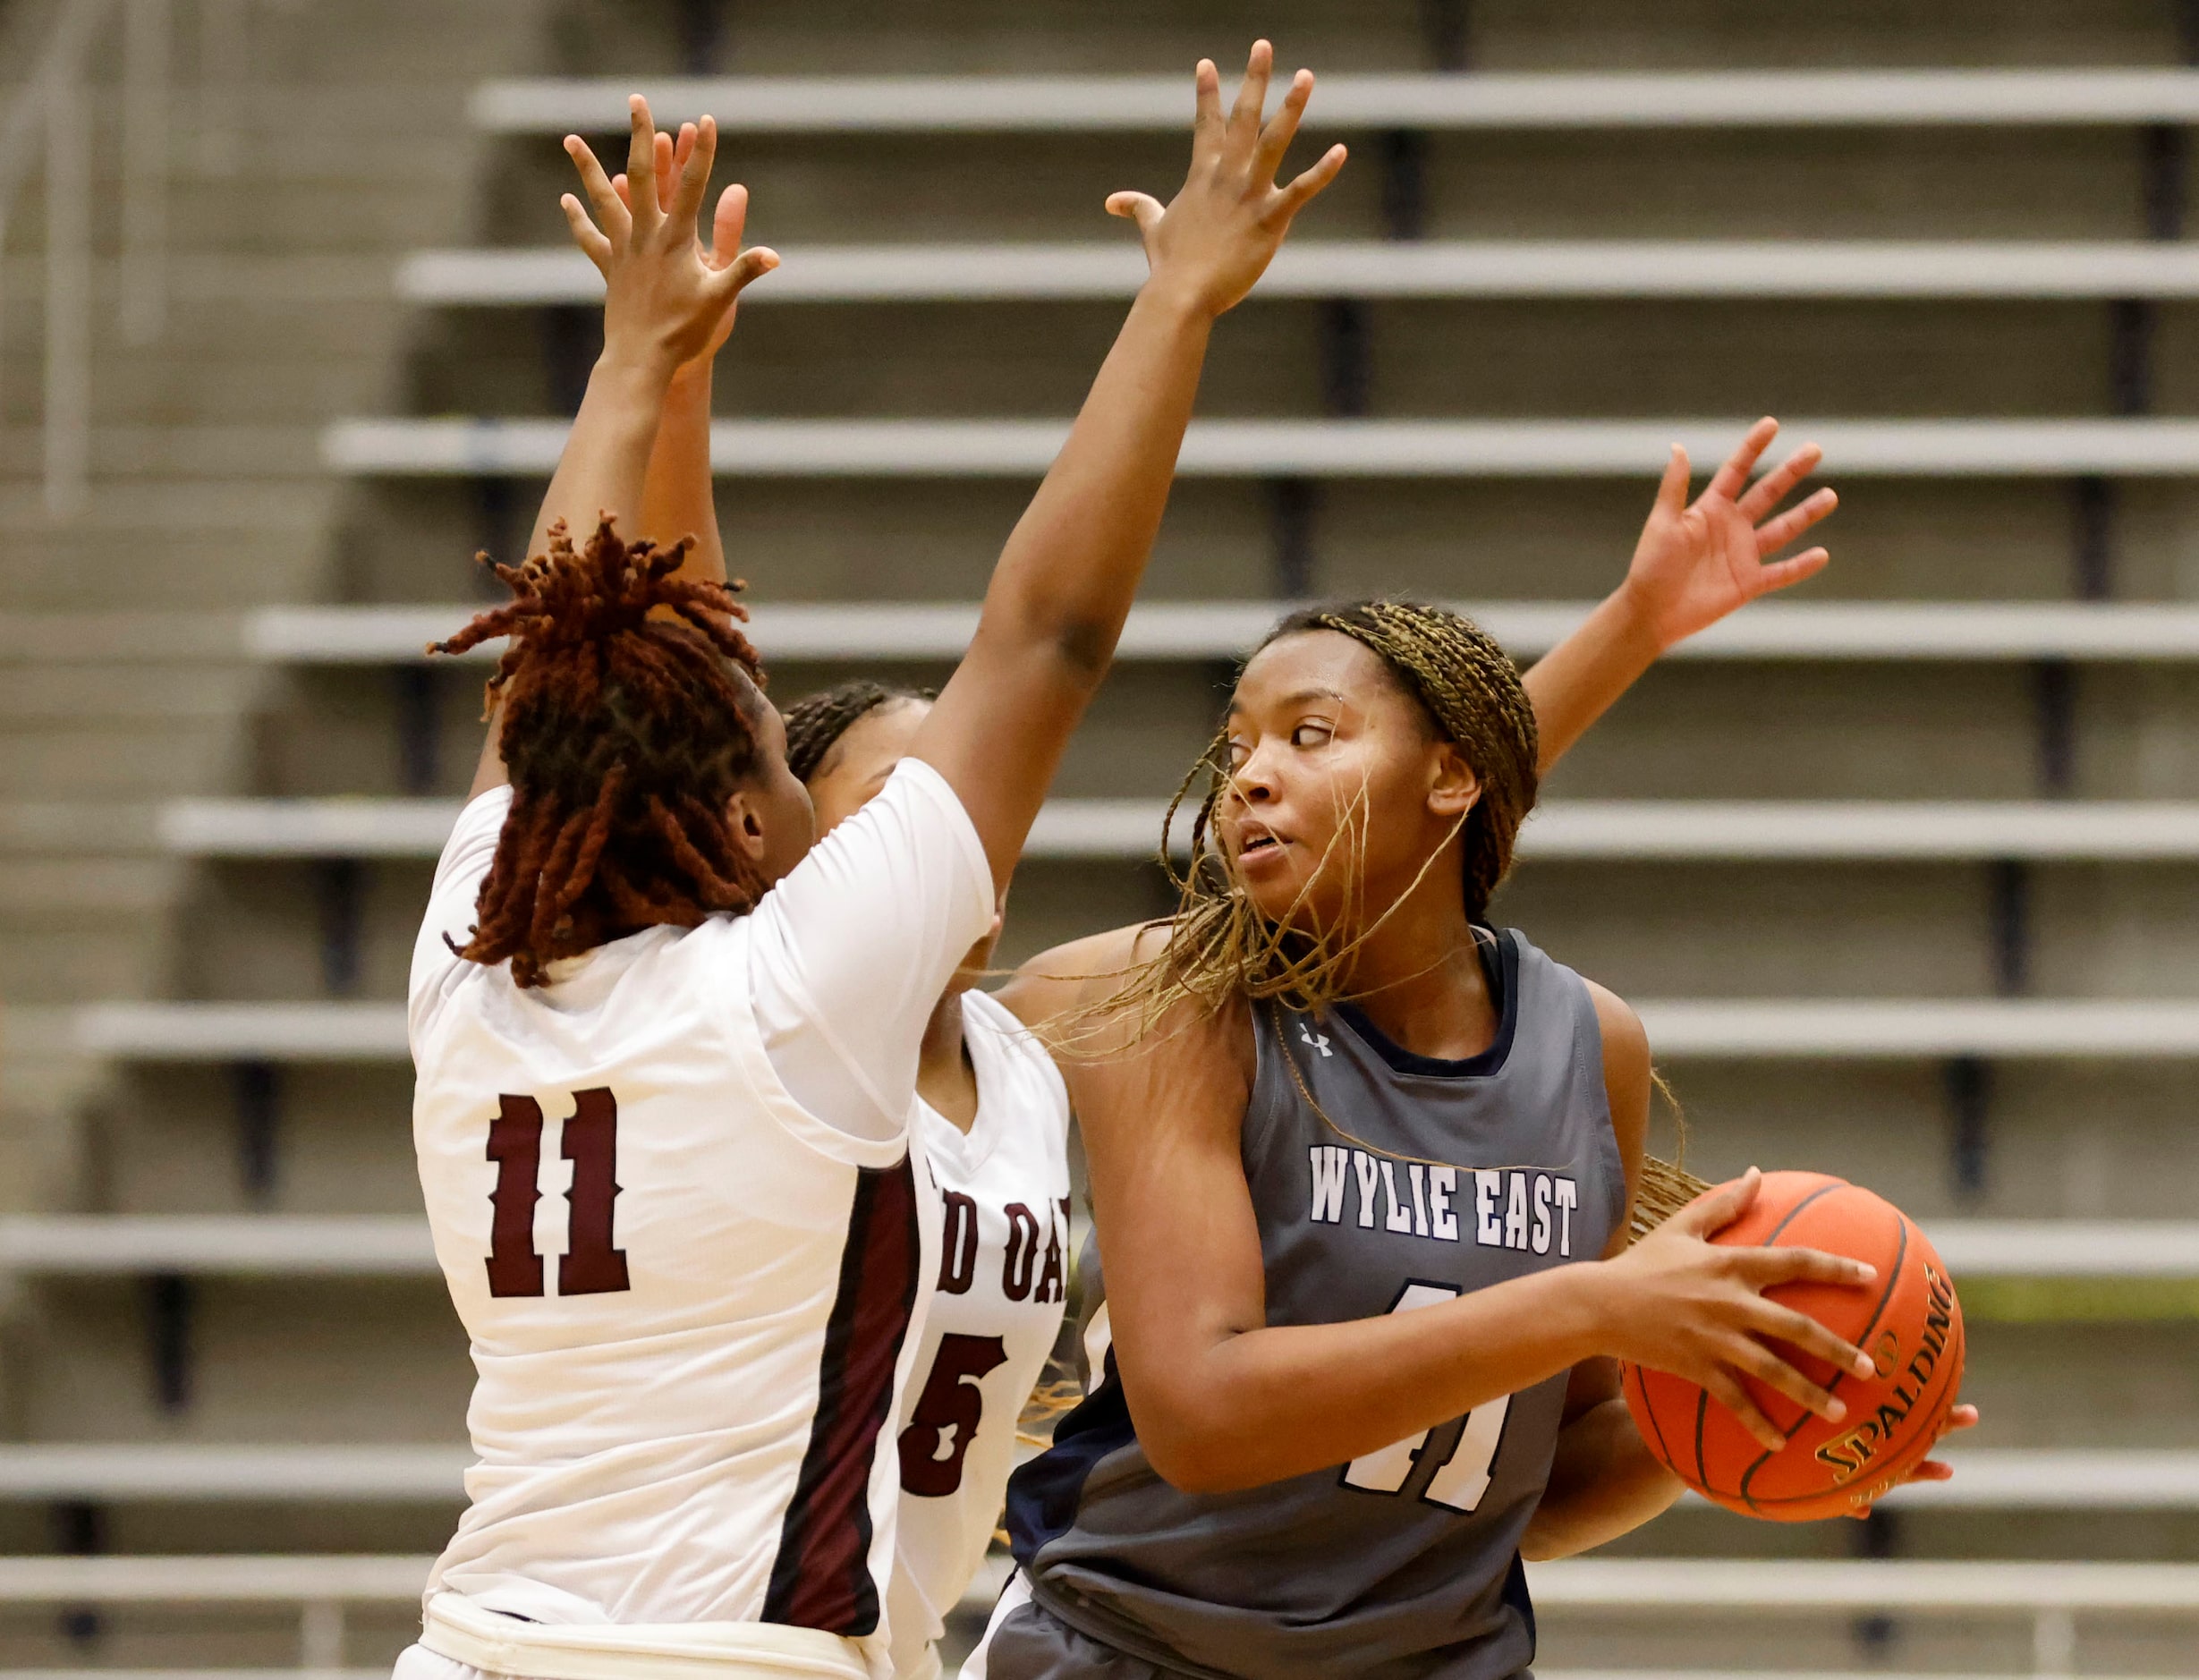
x: 1628, y: 1079
x: 1059, y: 982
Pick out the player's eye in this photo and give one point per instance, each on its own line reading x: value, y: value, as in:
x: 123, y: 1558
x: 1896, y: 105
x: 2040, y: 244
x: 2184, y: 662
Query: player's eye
x: 1238, y: 754
x: 1312, y: 734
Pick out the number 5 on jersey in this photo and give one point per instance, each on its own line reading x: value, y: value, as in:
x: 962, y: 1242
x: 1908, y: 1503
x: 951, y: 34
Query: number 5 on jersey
x: 590, y: 1265
x: 1461, y: 1476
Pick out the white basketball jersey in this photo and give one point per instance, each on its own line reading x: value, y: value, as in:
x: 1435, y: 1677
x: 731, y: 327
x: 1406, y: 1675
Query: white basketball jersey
x: 690, y: 1301
x: 1004, y: 1267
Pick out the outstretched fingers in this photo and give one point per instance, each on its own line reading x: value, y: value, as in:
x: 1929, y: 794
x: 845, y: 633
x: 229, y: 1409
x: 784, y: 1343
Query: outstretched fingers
x: 1205, y: 128
x: 1275, y: 139
x: 1672, y: 488
x: 1775, y: 534
x: 642, y: 203
x: 1241, y: 135
x: 1140, y: 208
x: 612, y: 214
x: 1769, y: 491
x: 727, y: 282
x: 694, y: 179
x: 586, y: 235
x: 1780, y: 574
x: 726, y: 225
x: 1731, y: 478
x: 1312, y: 183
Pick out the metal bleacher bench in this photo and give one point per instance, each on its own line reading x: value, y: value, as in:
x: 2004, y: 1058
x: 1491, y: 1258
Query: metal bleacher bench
x: 2006, y: 1479
x: 374, y: 1245
x: 1034, y: 104
x: 1600, y: 268
x: 1315, y: 448
x: 1225, y: 630
x: 1818, y: 1029
x: 2051, y: 1593
x: 1739, y: 830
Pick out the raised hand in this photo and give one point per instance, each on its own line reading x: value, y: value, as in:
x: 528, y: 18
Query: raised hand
x: 726, y: 225
x: 664, y: 299
x: 1217, y: 236
x: 1699, y: 561
x: 1695, y: 1308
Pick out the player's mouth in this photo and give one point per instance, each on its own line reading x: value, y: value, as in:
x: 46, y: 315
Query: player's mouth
x: 1256, y: 842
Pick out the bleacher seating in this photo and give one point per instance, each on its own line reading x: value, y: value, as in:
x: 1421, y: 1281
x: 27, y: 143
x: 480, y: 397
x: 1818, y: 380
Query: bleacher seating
x: 1751, y: 99
x: 1311, y: 448
x: 1738, y: 1029
x: 1573, y: 829
x: 387, y: 1245
x: 2006, y: 1479
x: 966, y: 274
x: 1864, y: 631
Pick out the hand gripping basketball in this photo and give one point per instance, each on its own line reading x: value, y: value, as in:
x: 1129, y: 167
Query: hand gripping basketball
x: 1684, y: 1304
x: 1881, y: 1418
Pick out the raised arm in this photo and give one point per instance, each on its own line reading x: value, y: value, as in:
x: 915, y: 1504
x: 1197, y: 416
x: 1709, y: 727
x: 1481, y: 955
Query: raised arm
x: 1694, y: 563
x: 677, y: 497
x: 663, y: 300
x: 1065, y: 580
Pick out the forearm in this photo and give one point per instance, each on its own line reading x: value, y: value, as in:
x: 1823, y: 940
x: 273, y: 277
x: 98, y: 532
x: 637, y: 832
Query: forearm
x: 607, y: 453
x: 1266, y: 1405
x: 1576, y: 682
x: 1603, y: 1483
x: 600, y: 471
x: 676, y: 497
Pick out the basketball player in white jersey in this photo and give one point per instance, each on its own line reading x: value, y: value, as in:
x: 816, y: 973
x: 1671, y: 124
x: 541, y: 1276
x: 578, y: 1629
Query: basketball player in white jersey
x: 666, y: 1047
x: 993, y: 1114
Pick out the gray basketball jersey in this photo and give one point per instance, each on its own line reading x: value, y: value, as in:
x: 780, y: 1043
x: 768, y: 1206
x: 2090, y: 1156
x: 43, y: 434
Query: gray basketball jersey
x: 1383, y: 1182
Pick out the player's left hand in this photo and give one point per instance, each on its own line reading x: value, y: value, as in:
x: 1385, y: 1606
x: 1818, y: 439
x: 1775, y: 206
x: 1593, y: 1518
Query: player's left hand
x: 726, y: 226
x: 1963, y: 1417
x: 1698, y: 562
x: 1217, y: 236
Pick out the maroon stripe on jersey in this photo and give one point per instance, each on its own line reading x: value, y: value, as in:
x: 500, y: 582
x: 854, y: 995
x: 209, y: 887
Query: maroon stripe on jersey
x: 821, y: 1577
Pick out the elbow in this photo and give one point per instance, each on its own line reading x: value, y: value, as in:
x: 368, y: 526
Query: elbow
x: 1190, y: 1449
x: 1186, y: 1463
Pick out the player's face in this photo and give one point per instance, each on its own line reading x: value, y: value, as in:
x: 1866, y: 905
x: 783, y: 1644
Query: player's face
x: 863, y: 758
x: 851, y: 776
x: 1341, y: 790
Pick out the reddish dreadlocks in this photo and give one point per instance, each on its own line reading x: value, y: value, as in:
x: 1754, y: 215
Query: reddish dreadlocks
x: 626, y: 736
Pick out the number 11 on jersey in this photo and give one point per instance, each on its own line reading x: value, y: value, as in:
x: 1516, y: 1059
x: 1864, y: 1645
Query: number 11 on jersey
x: 1462, y: 1478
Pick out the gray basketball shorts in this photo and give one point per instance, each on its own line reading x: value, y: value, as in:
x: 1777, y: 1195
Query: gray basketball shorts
x: 1027, y: 1641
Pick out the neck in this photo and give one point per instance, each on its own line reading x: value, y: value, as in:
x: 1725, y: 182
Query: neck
x: 944, y: 1076
x: 1418, y: 977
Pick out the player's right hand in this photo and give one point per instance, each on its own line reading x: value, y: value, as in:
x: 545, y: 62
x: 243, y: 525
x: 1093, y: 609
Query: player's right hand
x: 1217, y: 236
x: 665, y: 299
x: 1679, y: 1302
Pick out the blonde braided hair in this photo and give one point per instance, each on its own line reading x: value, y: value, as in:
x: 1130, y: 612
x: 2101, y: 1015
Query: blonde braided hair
x: 1219, y: 945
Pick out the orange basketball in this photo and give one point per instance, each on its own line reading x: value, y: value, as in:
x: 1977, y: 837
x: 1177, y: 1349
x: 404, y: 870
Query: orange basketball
x: 1907, y: 1321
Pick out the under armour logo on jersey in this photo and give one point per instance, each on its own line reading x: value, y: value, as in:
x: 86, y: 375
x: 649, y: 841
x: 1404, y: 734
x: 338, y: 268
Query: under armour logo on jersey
x: 1315, y: 1040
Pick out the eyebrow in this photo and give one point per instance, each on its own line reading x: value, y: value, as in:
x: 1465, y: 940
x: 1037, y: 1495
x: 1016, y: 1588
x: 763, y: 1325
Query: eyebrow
x: 1299, y: 697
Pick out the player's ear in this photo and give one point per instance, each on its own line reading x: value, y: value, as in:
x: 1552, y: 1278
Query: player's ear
x: 1453, y: 787
x: 750, y: 825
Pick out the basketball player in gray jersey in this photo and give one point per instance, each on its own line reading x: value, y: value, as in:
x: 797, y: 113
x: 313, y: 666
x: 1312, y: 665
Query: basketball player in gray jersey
x: 1362, y: 1173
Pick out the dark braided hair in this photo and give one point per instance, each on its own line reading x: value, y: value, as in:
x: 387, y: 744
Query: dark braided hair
x: 815, y: 724
x: 629, y: 702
